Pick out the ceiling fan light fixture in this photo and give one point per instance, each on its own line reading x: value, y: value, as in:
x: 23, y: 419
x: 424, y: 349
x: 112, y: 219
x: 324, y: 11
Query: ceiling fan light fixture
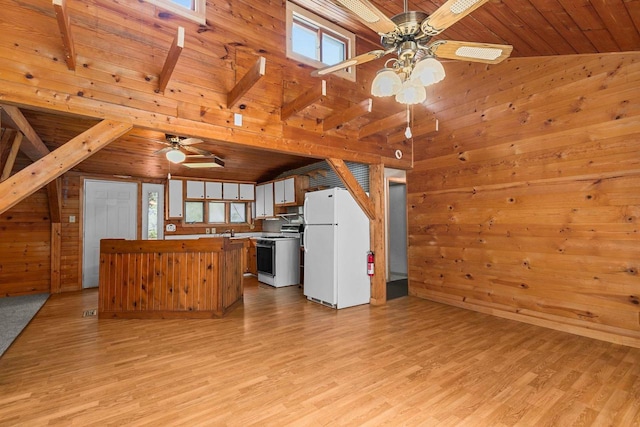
x: 411, y: 93
x: 386, y: 83
x: 428, y: 71
x: 175, y: 156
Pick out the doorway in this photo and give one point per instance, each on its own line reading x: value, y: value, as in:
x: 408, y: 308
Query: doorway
x: 397, y: 272
x: 110, y: 211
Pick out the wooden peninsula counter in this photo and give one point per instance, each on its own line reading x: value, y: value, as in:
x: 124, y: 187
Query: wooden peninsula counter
x: 170, y: 278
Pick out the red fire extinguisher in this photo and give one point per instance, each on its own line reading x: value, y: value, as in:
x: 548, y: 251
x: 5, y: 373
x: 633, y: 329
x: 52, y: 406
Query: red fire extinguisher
x: 370, y: 261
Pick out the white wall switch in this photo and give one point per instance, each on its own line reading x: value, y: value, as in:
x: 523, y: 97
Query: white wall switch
x: 72, y: 218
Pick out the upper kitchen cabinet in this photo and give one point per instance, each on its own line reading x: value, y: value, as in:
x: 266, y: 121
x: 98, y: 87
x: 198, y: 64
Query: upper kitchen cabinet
x: 174, y: 194
x: 195, y: 189
x: 264, y: 200
x: 238, y: 191
x: 290, y: 191
x: 213, y: 190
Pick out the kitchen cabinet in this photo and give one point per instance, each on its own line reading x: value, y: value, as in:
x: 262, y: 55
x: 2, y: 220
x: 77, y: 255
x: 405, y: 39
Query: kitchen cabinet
x: 175, y: 194
x: 247, y: 192
x: 230, y: 191
x: 290, y: 191
x: 213, y: 190
x: 264, y: 200
x: 195, y: 189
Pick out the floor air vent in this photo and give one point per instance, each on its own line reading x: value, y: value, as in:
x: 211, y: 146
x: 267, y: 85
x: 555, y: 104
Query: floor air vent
x: 89, y: 313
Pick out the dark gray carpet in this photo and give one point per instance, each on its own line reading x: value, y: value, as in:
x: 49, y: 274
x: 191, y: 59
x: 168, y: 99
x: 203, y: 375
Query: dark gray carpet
x: 397, y: 289
x: 15, y: 315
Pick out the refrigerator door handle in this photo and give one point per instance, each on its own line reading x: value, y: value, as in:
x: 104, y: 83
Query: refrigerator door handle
x: 304, y: 239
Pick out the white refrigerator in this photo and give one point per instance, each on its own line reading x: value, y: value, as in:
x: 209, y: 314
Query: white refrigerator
x: 336, y: 242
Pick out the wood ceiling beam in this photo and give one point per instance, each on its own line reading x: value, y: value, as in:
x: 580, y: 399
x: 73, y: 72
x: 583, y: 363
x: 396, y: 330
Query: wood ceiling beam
x: 418, y: 128
x: 172, y: 59
x: 351, y: 113
x: 11, y: 159
x: 30, y: 179
x: 33, y: 147
x: 309, y: 97
x: 60, y: 7
x: 394, y: 121
x: 292, y: 140
x: 354, y: 187
x: 247, y: 82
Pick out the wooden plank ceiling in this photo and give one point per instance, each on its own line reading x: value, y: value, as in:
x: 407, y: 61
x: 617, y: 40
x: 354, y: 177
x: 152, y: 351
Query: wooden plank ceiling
x: 124, y: 45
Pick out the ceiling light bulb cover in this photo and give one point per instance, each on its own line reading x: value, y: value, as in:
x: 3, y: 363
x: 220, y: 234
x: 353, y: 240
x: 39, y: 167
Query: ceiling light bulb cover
x: 386, y: 83
x: 428, y: 71
x: 175, y: 156
x: 411, y: 93
x: 407, y: 133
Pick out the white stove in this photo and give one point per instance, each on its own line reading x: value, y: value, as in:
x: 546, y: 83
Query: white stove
x: 279, y: 257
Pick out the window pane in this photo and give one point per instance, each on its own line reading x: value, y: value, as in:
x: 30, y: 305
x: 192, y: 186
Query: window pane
x: 152, y: 215
x: 238, y: 212
x: 304, y: 41
x: 185, y: 3
x: 332, y: 50
x: 194, y: 212
x: 216, y: 212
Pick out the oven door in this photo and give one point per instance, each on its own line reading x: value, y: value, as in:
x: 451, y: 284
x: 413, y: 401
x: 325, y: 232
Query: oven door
x: 266, y: 257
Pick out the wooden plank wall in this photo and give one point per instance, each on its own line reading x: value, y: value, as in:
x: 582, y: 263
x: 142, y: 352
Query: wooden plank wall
x: 526, y: 203
x: 25, y: 244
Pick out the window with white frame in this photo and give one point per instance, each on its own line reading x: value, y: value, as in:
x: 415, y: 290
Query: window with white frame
x: 315, y: 41
x: 191, y: 9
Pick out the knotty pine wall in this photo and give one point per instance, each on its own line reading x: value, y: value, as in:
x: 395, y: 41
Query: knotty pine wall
x: 526, y: 204
x: 25, y: 244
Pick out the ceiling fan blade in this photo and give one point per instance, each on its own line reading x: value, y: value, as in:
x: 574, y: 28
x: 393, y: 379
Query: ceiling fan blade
x: 369, y: 15
x: 163, y: 150
x: 448, y: 14
x: 356, y: 60
x: 190, y: 141
x: 469, y: 51
x: 199, y: 151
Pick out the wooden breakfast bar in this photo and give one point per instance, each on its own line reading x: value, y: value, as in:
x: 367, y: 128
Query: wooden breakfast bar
x: 170, y: 278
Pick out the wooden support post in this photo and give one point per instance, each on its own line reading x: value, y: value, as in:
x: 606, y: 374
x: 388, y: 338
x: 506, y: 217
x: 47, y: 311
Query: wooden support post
x: 56, y: 247
x: 172, y: 59
x: 394, y: 121
x: 377, y: 233
x: 60, y: 7
x: 347, y: 115
x: 54, y: 193
x: 311, y: 96
x: 354, y: 187
x: 251, y: 78
x: 27, y: 181
x: 11, y: 159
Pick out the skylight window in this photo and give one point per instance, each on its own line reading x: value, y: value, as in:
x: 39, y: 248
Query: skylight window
x: 315, y: 41
x: 191, y: 9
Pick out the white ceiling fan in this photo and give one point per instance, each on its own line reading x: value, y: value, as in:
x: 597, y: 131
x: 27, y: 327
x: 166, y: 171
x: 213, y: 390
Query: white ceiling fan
x: 200, y: 159
x: 409, y: 35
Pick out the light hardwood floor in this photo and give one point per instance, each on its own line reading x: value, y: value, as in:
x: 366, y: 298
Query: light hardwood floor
x: 280, y: 360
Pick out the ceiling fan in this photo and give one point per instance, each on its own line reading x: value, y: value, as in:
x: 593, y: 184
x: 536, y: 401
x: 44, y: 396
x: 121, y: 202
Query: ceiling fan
x: 409, y: 35
x: 200, y: 158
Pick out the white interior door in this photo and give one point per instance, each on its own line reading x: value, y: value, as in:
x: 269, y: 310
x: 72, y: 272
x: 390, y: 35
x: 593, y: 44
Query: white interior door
x: 153, y: 211
x: 110, y: 211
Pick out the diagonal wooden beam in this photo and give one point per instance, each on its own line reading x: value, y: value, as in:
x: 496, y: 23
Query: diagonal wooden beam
x: 11, y: 159
x: 60, y: 7
x: 394, y: 121
x: 27, y: 181
x: 248, y: 80
x: 354, y: 187
x: 32, y: 145
x: 347, y: 115
x: 311, y: 96
x: 172, y: 59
